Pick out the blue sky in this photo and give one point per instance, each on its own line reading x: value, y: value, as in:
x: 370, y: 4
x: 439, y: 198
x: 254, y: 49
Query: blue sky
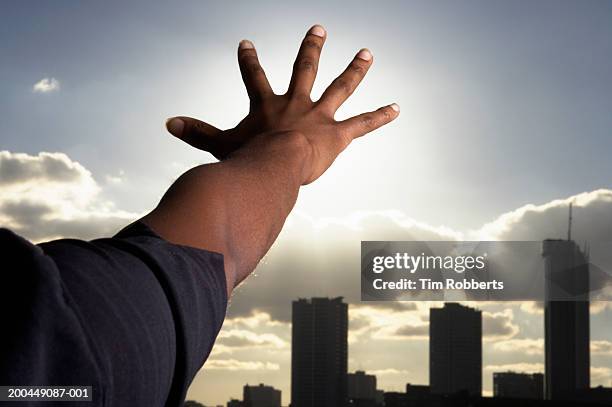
x: 504, y: 104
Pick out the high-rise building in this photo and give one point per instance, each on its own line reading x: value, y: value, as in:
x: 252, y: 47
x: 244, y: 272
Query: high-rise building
x: 261, y: 396
x: 518, y: 385
x: 417, y: 394
x: 319, y: 350
x: 361, y: 386
x: 566, y: 322
x: 455, y: 349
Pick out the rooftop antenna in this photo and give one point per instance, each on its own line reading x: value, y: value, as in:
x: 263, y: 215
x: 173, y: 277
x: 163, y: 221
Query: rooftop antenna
x: 569, y: 223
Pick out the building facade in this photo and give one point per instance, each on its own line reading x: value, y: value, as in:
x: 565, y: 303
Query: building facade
x: 518, y: 385
x: 319, y: 353
x: 261, y: 396
x: 566, y: 320
x: 361, y: 386
x: 455, y: 350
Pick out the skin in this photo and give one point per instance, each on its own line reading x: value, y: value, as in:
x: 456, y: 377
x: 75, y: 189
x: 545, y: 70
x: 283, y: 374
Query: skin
x: 238, y: 206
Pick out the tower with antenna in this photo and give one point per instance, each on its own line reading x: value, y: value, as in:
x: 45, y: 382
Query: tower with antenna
x: 566, y: 317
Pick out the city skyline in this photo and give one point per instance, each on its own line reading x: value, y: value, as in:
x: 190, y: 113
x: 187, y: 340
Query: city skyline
x: 455, y: 344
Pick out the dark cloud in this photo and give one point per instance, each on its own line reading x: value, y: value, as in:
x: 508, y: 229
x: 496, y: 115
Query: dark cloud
x: 413, y: 330
x: 309, y: 260
x: 23, y: 212
x: 499, y: 324
x: 312, y: 260
x: 16, y: 168
x: 48, y: 196
x: 38, y: 228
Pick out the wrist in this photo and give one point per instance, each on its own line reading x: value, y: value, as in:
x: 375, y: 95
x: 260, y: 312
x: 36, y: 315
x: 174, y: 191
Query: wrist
x: 291, y: 151
x: 299, y: 151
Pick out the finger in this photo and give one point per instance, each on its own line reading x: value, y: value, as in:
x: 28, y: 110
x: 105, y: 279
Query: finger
x: 253, y: 75
x: 196, y: 133
x: 307, y: 62
x: 366, y: 122
x: 344, y: 85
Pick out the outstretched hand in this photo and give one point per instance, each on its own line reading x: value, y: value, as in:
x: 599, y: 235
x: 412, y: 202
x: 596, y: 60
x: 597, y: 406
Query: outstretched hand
x: 292, y: 115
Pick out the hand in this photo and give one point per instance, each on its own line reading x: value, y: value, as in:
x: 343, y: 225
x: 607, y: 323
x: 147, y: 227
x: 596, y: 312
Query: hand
x: 294, y: 113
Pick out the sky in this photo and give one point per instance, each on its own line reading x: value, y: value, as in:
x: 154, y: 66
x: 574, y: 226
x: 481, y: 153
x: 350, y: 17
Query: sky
x: 505, y: 119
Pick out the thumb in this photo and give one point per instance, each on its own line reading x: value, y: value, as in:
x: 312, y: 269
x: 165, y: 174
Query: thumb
x: 196, y: 133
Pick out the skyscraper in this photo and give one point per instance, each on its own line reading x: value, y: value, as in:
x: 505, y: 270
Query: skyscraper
x: 261, y: 396
x: 566, y: 323
x: 455, y: 349
x: 319, y: 349
x: 518, y: 385
x: 361, y: 386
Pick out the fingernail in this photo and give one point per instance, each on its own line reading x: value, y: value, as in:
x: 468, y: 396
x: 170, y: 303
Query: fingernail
x: 365, y: 54
x: 246, y: 44
x: 317, y: 30
x: 395, y: 107
x: 175, y: 126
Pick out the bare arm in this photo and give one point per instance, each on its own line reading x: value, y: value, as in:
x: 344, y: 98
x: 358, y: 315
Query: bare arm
x: 238, y: 206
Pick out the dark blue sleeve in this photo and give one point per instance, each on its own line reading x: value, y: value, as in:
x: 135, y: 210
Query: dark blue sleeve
x: 134, y: 316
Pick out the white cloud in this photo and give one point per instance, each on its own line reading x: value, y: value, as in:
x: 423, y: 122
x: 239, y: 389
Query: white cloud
x: 387, y: 372
x: 388, y: 323
x: 233, y: 364
x: 526, y: 346
x: 255, y: 320
x: 592, y: 220
x: 247, y: 339
x: 601, y: 374
x: 601, y: 347
x: 517, y: 367
x: 532, y: 307
x: 48, y: 195
x: 46, y: 85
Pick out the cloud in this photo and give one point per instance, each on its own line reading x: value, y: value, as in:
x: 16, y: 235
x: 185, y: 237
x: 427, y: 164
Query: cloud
x: 499, y: 325
x: 592, y: 220
x: 233, y: 365
x: 254, y: 320
x: 51, y: 167
x: 220, y: 349
x: 387, y: 372
x: 601, y: 347
x: 46, y: 85
x: 413, y: 331
x: 595, y: 307
x: 532, y: 307
x: 601, y: 374
x: 321, y: 258
x: 254, y: 332
x: 517, y: 367
x: 526, y: 346
x: 240, y: 338
x: 48, y: 195
x: 324, y: 255
x: 381, y: 323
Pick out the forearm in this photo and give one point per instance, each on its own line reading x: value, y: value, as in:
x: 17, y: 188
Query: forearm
x: 236, y: 207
